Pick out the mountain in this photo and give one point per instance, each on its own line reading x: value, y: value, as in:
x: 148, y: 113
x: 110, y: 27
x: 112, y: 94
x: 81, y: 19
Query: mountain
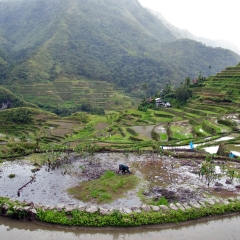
x: 219, y: 43
x: 183, y: 33
x: 117, y: 42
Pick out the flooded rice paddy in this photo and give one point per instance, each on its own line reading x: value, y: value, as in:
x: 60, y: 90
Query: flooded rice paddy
x: 175, y: 179
x: 144, y: 130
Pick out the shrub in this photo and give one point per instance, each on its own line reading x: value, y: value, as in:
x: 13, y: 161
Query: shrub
x: 12, y: 175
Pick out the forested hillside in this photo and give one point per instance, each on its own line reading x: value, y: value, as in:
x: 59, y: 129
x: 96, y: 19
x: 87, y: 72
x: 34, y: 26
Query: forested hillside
x: 118, y: 42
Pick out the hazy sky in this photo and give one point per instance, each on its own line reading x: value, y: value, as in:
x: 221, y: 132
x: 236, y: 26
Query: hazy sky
x: 214, y: 19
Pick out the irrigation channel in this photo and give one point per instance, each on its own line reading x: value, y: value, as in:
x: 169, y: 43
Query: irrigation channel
x: 222, y: 228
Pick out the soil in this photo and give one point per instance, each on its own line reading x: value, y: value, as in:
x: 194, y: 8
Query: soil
x: 175, y: 179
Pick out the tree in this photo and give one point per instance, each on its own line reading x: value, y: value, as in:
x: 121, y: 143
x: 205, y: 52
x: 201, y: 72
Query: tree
x: 145, y: 87
x: 183, y: 93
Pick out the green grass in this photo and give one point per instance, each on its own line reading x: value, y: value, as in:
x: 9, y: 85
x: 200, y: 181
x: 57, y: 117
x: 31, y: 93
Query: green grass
x: 180, y: 132
x: 105, y: 189
x: 11, y: 175
x: 163, y: 136
x: 161, y: 201
x: 200, y: 130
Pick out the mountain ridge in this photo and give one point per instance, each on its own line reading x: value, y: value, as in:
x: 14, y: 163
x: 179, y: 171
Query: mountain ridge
x: 184, y: 33
x: 107, y: 40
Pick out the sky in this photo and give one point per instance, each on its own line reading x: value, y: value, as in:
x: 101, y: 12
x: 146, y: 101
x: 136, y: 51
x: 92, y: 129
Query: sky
x: 214, y: 19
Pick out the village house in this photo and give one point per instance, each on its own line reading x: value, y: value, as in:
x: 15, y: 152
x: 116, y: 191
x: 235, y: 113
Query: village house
x: 159, y: 103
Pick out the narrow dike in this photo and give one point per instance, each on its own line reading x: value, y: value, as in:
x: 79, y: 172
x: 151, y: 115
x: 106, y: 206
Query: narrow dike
x: 94, y: 216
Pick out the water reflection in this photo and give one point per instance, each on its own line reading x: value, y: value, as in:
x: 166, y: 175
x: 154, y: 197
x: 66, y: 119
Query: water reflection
x: 220, y: 228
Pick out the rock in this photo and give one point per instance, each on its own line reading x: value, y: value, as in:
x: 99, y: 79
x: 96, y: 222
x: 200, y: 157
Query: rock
x: 238, y: 186
x: 81, y: 208
x: 26, y: 209
x: 125, y: 210
x: 111, y: 210
x: 173, y: 207
x: 157, y: 197
x: 170, y: 195
x: 33, y: 211
x: 146, y: 193
x: 222, y: 150
x: 46, y: 207
x: 164, y: 208
x: 179, y: 205
x: 217, y: 200
x: 155, y: 208
x: 186, y: 206
x: 195, y: 205
x: 225, y: 202
x: 38, y: 205
x: 136, y: 209
x: 29, y: 204
x: 18, y: 208
x: 203, y: 204
x: 218, y: 189
x: 5, y: 207
x: 217, y: 184
x: 92, y: 209
x: 228, y: 181
x: 185, y: 163
x: 232, y: 199
x: 69, y: 208
x: 104, y: 211
x: 60, y: 207
x: 230, y: 188
x: 210, y: 202
x: 146, y: 208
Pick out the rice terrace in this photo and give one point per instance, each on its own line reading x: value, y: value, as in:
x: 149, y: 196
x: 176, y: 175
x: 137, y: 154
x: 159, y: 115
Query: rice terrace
x: 184, y: 159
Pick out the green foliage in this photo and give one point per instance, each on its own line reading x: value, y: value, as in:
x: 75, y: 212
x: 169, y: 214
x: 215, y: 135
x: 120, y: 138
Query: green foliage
x: 22, y: 115
x: 131, y: 131
x: 105, y: 189
x: 183, y: 94
x: 77, y: 218
x: 18, y: 115
x: 12, y: 175
x: 87, y: 107
x: 155, y: 136
x: 78, y: 116
x: 7, y: 96
x: 42, y: 48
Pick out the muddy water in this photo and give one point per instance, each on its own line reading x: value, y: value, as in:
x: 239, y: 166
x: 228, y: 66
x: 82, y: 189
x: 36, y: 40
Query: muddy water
x: 219, y: 228
x: 50, y: 187
x: 144, y: 130
x: 156, y: 173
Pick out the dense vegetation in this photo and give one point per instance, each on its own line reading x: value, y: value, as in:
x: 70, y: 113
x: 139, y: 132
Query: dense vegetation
x: 7, y: 96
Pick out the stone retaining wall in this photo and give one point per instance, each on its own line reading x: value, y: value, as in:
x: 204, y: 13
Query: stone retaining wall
x: 29, y: 211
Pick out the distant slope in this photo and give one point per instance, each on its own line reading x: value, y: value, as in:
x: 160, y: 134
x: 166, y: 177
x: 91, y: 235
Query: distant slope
x: 183, y: 33
x: 13, y: 101
x: 222, y: 89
